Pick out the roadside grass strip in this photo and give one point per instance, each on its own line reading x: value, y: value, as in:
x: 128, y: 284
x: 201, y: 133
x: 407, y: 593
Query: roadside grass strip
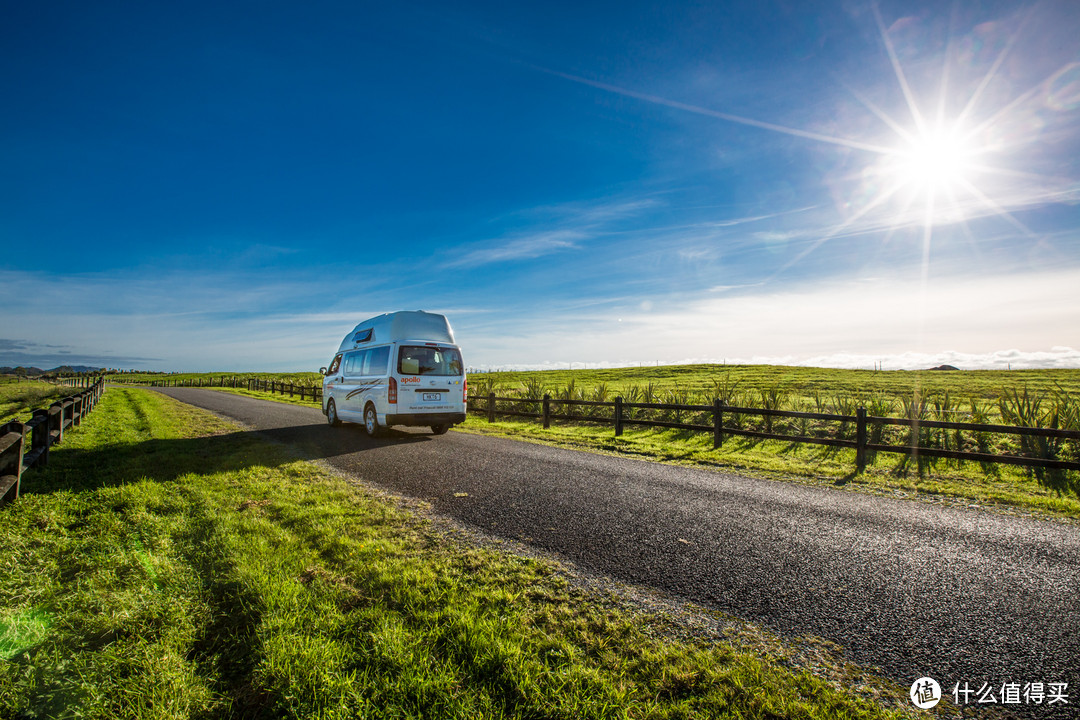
x: 167, y: 564
x: 275, y: 397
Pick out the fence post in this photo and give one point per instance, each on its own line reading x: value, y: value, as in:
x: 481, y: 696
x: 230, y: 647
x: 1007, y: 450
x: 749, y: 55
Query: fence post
x: 42, y: 438
x: 718, y: 424
x: 618, y: 415
x: 547, y: 411
x: 56, y: 422
x: 11, y: 458
x: 491, y: 407
x: 860, y: 439
x: 913, y: 435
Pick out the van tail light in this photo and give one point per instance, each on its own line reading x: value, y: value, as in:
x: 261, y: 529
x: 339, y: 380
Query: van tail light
x: 465, y: 391
x: 391, y: 392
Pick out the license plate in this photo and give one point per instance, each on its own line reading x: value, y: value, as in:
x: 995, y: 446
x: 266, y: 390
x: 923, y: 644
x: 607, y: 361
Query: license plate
x: 432, y: 397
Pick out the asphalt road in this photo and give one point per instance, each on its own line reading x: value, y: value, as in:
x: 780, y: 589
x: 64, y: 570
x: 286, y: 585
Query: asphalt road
x: 960, y: 595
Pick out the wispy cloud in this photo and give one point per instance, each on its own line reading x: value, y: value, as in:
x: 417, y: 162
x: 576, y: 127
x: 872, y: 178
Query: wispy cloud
x: 557, y: 228
x: 512, y: 249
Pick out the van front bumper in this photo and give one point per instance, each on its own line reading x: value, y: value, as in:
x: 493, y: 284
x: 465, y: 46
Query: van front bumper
x: 416, y: 419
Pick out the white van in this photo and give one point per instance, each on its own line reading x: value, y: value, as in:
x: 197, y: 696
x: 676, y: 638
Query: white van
x: 401, y: 368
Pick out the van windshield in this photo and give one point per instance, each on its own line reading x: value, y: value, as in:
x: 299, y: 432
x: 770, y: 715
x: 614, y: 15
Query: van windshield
x: 428, y: 360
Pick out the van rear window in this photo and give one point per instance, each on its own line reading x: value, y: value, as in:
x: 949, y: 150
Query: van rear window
x: 427, y: 360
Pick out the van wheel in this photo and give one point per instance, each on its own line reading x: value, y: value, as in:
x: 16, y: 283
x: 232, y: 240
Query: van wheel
x: 439, y: 429
x: 371, y: 421
x: 331, y: 413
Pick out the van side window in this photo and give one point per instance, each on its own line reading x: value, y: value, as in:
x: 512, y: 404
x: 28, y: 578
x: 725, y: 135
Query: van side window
x: 375, y: 360
x: 334, y: 365
x: 354, y: 361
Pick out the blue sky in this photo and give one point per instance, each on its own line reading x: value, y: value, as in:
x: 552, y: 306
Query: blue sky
x: 233, y: 185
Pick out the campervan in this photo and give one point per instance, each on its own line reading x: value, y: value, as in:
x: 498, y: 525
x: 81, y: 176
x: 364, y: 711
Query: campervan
x: 401, y: 368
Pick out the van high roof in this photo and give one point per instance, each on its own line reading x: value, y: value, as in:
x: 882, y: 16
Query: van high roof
x: 401, y: 325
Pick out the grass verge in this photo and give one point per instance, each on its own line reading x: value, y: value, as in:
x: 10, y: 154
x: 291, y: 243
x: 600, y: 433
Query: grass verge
x: 169, y: 565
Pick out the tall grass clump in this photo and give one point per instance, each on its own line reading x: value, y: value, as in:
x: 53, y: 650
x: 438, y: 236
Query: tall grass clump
x: 726, y: 389
x: 1027, y: 409
x: 532, y: 392
x: 773, y: 398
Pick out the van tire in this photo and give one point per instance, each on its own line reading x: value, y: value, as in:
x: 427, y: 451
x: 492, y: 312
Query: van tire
x: 439, y: 429
x: 371, y: 421
x: 331, y: 413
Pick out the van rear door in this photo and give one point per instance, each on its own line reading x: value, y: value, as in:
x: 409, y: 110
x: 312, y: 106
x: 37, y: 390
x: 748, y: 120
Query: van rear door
x: 430, y: 379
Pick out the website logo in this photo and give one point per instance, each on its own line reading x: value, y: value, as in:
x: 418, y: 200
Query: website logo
x: 925, y: 693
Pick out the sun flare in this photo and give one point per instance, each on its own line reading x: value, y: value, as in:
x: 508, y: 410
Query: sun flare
x: 935, y: 161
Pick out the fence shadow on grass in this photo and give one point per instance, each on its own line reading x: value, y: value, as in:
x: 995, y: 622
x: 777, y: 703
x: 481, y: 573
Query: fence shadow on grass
x: 165, y: 460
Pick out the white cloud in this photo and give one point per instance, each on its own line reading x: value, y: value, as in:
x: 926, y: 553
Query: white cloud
x: 846, y: 324
x: 519, y: 248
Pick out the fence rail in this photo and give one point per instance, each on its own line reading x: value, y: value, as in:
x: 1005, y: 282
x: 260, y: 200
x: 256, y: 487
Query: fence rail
x: 305, y: 392
x: 24, y: 445
x: 622, y: 415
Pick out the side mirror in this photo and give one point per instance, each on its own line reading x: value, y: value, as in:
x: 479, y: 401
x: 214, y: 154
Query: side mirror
x: 322, y: 371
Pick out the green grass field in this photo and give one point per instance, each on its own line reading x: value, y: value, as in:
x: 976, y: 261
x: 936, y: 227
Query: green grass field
x: 801, y: 380
x: 167, y: 564
x: 19, y: 398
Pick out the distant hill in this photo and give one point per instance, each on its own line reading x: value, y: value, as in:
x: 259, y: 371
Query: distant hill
x: 62, y: 370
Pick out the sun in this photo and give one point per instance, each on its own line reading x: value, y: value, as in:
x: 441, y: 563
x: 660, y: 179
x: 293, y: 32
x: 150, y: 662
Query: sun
x: 935, y: 161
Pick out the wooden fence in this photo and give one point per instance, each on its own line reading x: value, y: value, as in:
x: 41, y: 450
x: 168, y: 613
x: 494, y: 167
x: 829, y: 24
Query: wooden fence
x: 80, y: 380
x: 304, y: 392
x: 24, y: 445
x: 867, y: 427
